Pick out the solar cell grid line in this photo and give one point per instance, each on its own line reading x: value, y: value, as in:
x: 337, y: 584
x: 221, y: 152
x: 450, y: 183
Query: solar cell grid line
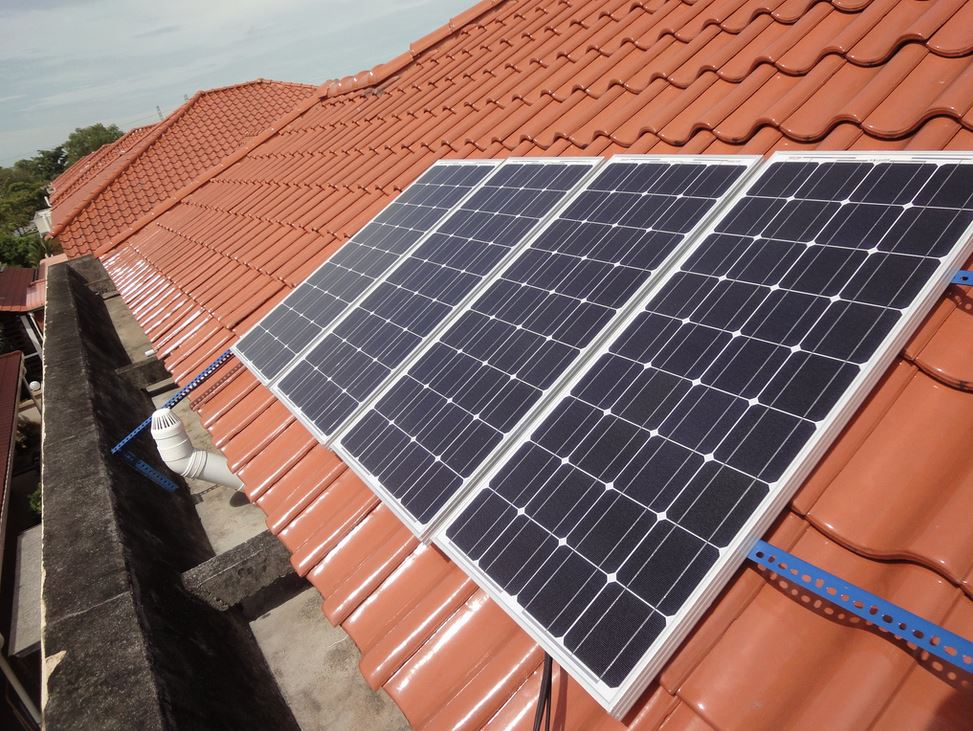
x: 510, y: 347
x: 614, y: 522
x: 378, y: 336
x: 293, y: 325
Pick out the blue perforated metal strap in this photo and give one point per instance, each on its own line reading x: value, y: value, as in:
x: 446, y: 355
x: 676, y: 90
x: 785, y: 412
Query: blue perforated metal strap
x: 143, y: 467
x: 963, y: 276
x: 123, y: 450
x: 897, y: 621
x: 193, y: 384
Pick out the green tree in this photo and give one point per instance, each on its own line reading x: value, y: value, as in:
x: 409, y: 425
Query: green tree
x: 88, y: 139
x: 20, y: 251
x: 26, y: 250
x: 34, y: 501
x: 45, y: 165
x: 20, y: 198
x: 23, y: 187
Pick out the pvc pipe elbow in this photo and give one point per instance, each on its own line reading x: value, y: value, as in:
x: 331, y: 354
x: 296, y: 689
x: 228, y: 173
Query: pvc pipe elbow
x: 179, y: 455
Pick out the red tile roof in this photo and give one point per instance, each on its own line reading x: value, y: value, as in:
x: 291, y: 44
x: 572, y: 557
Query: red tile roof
x: 24, y: 289
x: 887, y: 508
x: 78, y: 182
x: 121, y: 182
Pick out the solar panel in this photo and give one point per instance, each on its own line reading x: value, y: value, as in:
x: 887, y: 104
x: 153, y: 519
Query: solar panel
x: 305, y: 313
x: 435, y: 425
x: 341, y: 372
x: 609, y: 528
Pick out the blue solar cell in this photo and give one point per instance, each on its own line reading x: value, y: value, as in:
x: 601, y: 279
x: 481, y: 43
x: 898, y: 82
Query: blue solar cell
x: 476, y: 382
x: 635, y: 491
x: 319, y: 301
x: 350, y: 363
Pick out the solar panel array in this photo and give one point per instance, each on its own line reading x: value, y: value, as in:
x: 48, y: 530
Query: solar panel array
x: 349, y: 364
x: 321, y: 299
x: 439, y: 421
x: 605, y: 531
x: 598, y: 389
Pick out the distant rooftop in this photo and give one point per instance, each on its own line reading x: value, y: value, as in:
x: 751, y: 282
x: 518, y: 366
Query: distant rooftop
x: 68, y: 189
x: 122, y: 181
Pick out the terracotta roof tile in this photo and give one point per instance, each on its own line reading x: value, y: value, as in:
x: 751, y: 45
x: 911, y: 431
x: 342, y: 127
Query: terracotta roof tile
x: 929, y: 686
x: 327, y: 518
x: 84, y: 175
x: 422, y: 593
x: 121, y: 181
x: 902, y: 522
x: 884, y: 508
x: 292, y: 486
x: 832, y: 648
x: 939, y: 357
x: 954, y: 38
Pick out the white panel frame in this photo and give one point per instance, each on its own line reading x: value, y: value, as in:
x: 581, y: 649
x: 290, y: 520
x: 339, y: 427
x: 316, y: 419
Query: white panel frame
x: 269, y: 382
x: 618, y: 701
x: 594, y: 163
x: 424, y: 531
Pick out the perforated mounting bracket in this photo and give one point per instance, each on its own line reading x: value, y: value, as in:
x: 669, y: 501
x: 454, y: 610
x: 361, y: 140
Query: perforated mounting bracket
x: 192, y: 385
x: 144, y: 468
x: 139, y: 464
x: 900, y: 623
x: 963, y: 276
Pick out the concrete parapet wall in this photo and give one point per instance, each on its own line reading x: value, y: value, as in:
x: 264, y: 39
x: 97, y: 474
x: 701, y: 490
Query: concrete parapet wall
x: 125, y: 646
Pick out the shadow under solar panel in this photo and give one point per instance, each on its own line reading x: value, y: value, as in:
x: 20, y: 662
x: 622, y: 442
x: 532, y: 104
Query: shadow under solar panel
x: 610, y: 528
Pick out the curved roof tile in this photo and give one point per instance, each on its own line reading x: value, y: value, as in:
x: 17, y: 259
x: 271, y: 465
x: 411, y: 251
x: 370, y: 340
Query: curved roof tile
x: 87, y: 171
x: 121, y: 181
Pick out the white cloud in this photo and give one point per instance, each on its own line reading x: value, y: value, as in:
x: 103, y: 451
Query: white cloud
x: 67, y: 64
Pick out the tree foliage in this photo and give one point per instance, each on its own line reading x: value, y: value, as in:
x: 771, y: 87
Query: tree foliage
x: 35, y: 502
x: 24, y: 185
x: 25, y: 250
x: 20, y: 197
x: 45, y: 165
x: 88, y: 139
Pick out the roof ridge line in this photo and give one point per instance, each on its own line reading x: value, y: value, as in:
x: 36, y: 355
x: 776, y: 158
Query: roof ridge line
x: 207, y: 175
x: 140, y: 147
x: 383, y: 71
x: 83, y: 164
x: 160, y: 127
x: 253, y: 82
x: 332, y: 88
x: 105, y: 150
x: 76, y: 175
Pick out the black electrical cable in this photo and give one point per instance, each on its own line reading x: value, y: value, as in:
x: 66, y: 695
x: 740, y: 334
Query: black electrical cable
x: 544, y: 697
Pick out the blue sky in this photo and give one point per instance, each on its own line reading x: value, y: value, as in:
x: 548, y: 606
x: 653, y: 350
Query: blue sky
x: 70, y: 63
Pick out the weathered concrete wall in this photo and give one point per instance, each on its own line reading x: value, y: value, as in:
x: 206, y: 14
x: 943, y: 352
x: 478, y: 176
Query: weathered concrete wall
x: 125, y: 645
x: 242, y: 572
x: 94, y: 274
x: 144, y: 373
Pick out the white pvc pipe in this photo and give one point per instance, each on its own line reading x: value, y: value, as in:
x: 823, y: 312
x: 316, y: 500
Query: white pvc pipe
x: 180, y: 456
